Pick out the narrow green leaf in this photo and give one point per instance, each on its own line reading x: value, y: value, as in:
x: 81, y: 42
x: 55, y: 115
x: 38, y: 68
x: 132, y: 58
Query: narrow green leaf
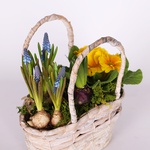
x: 50, y: 92
x: 30, y: 69
x: 96, y: 84
x: 55, y: 71
x: 63, y: 87
x: 39, y: 50
x: 36, y: 59
x: 26, y: 81
x: 45, y: 72
x: 54, y: 55
x: 51, y: 54
x: 32, y: 59
x: 52, y: 80
x: 40, y: 90
x: 30, y: 78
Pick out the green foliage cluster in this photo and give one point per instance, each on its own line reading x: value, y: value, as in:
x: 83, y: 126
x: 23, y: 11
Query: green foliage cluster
x: 102, y: 95
x: 22, y: 109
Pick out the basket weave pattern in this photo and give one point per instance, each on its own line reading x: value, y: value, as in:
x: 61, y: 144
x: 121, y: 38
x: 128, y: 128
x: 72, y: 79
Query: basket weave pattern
x: 93, y: 131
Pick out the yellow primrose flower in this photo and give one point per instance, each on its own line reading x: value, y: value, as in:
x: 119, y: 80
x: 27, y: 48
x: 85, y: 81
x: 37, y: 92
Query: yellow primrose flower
x: 100, y: 60
x: 93, y: 60
x: 110, y: 62
x: 77, y: 53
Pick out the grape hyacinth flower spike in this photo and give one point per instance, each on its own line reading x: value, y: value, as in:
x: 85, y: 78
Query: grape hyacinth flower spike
x: 37, y: 74
x: 57, y: 82
x: 46, y: 45
x: 26, y: 57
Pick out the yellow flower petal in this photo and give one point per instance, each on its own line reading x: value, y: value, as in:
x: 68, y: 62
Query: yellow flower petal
x: 100, y: 60
x: 93, y: 60
x: 93, y: 70
x: 110, y: 62
x: 80, y: 51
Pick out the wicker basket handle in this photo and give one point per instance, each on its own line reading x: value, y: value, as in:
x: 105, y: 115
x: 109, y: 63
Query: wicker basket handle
x: 51, y: 18
x: 80, y: 58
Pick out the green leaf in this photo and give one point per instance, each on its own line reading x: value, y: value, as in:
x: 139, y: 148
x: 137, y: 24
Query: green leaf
x: 133, y: 77
x: 113, y: 75
x: 36, y: 59
x: 55, y: 71
x: 82, y: 74
x: 32, y: 59
x: 37, y: 93
x: 39, y: 50
x: 71, y: 53
x: 127, y: 66
x: 96, y: 84
x: 40, y: 90
x: 26, y: 81
x: 51, y: 54
x: 54, y: 55
x: 23, y: 110
x: 30, y: 69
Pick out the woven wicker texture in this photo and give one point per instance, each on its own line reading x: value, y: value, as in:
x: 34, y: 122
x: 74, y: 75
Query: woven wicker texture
x: 93, y: 130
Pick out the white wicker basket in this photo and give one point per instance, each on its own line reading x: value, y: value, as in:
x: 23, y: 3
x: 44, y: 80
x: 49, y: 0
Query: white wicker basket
x: 93, y: 131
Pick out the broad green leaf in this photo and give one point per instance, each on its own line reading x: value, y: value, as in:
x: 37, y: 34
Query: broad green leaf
x: 133, y: 77
x: 113, y: 75
x: 127, y: 66
x: 71, y: 53
x: 82, y: 74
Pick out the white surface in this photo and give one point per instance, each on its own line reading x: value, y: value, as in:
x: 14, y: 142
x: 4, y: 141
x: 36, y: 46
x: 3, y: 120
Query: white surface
x: 127, y: 21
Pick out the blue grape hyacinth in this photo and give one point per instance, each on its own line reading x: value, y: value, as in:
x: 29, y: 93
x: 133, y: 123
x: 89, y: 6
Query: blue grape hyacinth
x: 37, y: 74
x: 26, y: 57
x: 57, y: 82
x: 46, y: 43
x: 46, y: 46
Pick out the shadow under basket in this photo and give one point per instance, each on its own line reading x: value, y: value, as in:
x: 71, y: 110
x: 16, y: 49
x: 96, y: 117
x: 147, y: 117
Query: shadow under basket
x: 91, y: 132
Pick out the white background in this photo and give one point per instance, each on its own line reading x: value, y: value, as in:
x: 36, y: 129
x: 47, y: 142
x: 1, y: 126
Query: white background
x: 128, y: 21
